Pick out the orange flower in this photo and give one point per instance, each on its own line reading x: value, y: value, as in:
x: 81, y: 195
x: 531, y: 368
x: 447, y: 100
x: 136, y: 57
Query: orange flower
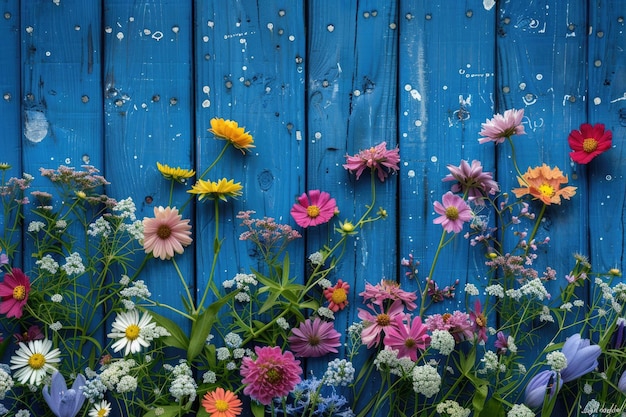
x: 544, y: 183
x: 221, y: 403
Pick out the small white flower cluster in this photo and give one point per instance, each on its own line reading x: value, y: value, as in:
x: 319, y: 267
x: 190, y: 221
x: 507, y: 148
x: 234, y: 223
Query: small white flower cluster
x: 535, y: 288
x: 591, y: 407
x: 183, y: 385
x: 242, y: 282
x: 520, y: 410
x: 209, y: 377
x: 125, y: 209
x: 6, y: 382
x: 94, y: 388
x: 545, y: 315
x: 74, y: 264
x: 149, y: 333
x: 316, y: 258
x: 340, y: 372
x: 326, y: 312
x: 283, y: 323
x: 100, y: 227
x: 233, y: 340
x: 495, y: 290
x: 556, y: 360
x: 442, y: 341
x: 138, y: 289
x: 56, y: 298
x: 491, y: 363
x: 48, y: 264
x: 56, y: 326
x: 452, y: 409
x: 426, y: 380
x: 471, y: 289
x: 36, y: 226
x: 60, y: 224
x: 22, y: 413
x: 115, y: 376
x: 325, y: 283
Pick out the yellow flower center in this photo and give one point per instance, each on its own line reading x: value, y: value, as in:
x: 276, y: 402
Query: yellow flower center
x: 164, y: 231
x: 132, y: 332
x: 546, y: 189
x: 383, y: 320
x: 347, y: 227
x: 36, y: 361
x: 102, y: 412
x: 273, y: 376
x: 312, y: 211
x: 19, y: 292
x: 221, y: 405
x: 590, y: 145
x: 481, y: 320
x: 452, y: 213
x: 339, y: 296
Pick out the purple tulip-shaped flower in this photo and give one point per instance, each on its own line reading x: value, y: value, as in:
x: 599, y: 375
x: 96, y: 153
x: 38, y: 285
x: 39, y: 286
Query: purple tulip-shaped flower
x: 621, y: 384
x: 582, y: 357
x: 62, y: 401
x: 618, y: 335
x: 545, y: 382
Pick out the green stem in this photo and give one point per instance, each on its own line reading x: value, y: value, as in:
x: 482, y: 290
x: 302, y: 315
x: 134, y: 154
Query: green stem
x: 216, y: 250
x: 185, y: 286
x: 431, y: 272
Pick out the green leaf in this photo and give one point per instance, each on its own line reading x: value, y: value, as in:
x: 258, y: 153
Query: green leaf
x: 258, y: 409
x: 201, y: 327
x: 168, y: 411
x: 493, y: 408
x: 480, y: 396
x: 177, y: 337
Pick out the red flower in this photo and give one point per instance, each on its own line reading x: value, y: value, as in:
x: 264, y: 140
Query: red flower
x: 337, y: 296
x: 14, y: 293
x: 589, y: 142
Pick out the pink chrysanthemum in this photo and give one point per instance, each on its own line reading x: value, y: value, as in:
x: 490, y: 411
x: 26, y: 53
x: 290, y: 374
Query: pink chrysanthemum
x: 479, y: 321
x: 472, y: 180
x: 337, y: 296
x: 388, y: 290
x: 376, y: 324
x: 14, y: 293
x: 377, y: 158
x: 407, y: 338
x: 314, y: 338
x: 272, y: 374
x: 501, y: 127
x: 454, y: 212
x: 457, y: 323
x: 315, y: 209
x: 589, y: 142
x: 166, y: 233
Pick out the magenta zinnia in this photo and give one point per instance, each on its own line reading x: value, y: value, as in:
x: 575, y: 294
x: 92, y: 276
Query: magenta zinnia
x: 272, y: 374
x: 377, y: 158
x: 454, y: 212
x: 14, y: 293
x: 472, y: 180
x: 313, y: 209
x: 407, y: 338
x: 502, y: 127
x: 314, y: 338
x: 166, y: 233
x: 589, y: 142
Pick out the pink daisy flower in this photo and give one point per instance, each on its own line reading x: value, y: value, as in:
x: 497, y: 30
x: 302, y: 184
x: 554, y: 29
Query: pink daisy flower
x: 479, y: 321
x: 272, y: 374
x: 472, y: 180
x: 501, y: 127
x: 315, y: 209
x: 407, y: 338
x: 454, y: 212
x: 376, y: 324
x: 388, y: 290
x: 337, y: 296
x: 166, y: 233
x: 375, y: 158
x: 14, y: 293
x: 314, y: 338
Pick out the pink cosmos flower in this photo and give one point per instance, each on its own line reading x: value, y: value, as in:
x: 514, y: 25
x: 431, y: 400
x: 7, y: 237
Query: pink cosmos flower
x: 388, y: 290
x: 454, y: 212
x: 337, y: 296
x: 472, y: 180
x: 457, y: 323
x: 589, y: 142
x: 479, y: 321
x: 166, y: 233
x: 14, y: 293
x: 502, y: 127
x: 314, y: 338
x: 377, y: 323
x: 407, y: 338
x: 375, y: 158
x: 315, y: 209
x: 272, y: 374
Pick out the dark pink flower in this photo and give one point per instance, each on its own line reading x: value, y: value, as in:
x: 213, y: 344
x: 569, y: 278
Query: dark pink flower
x: 388, y: 290
x: 472, y: 180
x: 14, y: 293
x: 479, y: 322
x: 315, y: 209
x: 501, y: 343
x: 589, y: 142
x: 272, y: 374
x: 501, y: 127
x: 377, y: 158
x: 407, y: 338
x: 457, y: 323
x: 375, y: 323
x: 454, y: 212
x: 33, y: 333
x: 314, y: 338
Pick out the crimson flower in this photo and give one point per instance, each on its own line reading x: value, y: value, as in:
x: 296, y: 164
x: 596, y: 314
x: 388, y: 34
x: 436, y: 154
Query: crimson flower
x: 14, y: 293
x: 407, y: 338
x: 377, y: 158
x: 313, y: 209
x: 589, y: 142
x: 314, y: 338
x: 454, y: 212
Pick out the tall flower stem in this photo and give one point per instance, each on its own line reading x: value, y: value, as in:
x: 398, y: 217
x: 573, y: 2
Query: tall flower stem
x: 217, y: 244
x: 429, y: 278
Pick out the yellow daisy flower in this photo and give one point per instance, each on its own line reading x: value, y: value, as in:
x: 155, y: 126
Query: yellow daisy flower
x: 177, y: 174
x: 229, y: 130
x: 220, y: 189
x: 4, y: 166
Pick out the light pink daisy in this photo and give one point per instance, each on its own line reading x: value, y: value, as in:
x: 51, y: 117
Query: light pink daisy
x: 166, y: 233
x: 376, y: 323
x: 388, y: 290
x: 407, y: 338
x: 454, y: 212
x: 314, y: 338
x: 377, y: 158
x: 472, y: 180
x: 501, y: 127
x: 14, y: 291
x: 272, y: 374
x: 315, y: 209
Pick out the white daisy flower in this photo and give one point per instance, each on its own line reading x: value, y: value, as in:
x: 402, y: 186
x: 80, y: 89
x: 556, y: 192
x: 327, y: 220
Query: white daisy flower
x: 101, y: 409
x: 33, y: 361
x: 130, y: 330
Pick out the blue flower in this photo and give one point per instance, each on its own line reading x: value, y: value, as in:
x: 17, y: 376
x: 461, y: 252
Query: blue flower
x: 545, y: 382
x: 621, y: 384
x: 618, y: 336
x: 62, y: 401
x: 582, y: 357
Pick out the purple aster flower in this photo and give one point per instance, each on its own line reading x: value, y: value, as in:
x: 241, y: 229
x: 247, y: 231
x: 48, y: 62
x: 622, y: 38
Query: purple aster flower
x: 314, y: 338
x: 454, y: 212
x: 502, y: 343
x: 544, y: 383
x: 582, y: 357
x: 471, y: 179
x: 501, y: 127
x: 62, y: 401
